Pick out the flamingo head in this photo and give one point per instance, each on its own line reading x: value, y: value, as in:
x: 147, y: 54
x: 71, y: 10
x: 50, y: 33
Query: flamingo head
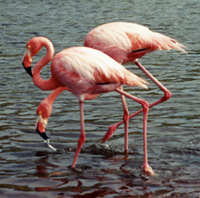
x: 32, y: 48
x: 27, y: 60
x: 40, y: 127
x: 43, y: 113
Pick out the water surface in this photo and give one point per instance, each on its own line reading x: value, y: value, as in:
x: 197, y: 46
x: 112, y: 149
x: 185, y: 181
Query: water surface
x: 29, y: 169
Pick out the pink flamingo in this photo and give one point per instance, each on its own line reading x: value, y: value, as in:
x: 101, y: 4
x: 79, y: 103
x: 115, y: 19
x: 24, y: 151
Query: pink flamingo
x: 84, y: 71
x: 126, y: 42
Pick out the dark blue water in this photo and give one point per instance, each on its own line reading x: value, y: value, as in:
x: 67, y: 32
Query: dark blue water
x: 29, y: 169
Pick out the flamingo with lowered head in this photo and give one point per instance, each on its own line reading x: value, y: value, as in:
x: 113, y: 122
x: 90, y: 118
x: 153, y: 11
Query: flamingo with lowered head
x: 84, y: 71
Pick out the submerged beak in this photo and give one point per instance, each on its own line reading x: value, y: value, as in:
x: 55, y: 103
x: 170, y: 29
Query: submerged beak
x: 27, y: 60
x: 40, y: 129
x: 46, y: 138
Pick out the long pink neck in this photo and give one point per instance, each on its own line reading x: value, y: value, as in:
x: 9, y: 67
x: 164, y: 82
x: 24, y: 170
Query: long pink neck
x: 51, y: 83
x: 54, y: 94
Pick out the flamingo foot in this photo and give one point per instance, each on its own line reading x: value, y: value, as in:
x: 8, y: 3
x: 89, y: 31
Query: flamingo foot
x: 109, y: 133
x: 148, y: 170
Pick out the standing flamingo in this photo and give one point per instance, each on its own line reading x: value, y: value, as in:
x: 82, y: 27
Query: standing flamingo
x: 84, y: 71
x: 126, y: 42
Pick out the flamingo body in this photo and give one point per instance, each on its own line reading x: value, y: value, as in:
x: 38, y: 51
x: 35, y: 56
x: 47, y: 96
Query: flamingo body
x: 125, y: 42
x: 97, y: 73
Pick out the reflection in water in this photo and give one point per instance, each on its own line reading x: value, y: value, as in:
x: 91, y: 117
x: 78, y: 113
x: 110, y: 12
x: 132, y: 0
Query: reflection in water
x: 76, y: 179
x: 42, y: 173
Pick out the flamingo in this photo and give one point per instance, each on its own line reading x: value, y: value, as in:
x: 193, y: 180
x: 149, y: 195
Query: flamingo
x: 83, y: 71
x: 126, y: 42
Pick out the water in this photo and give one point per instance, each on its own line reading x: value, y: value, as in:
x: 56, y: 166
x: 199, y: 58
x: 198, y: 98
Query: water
x: 29, y: 169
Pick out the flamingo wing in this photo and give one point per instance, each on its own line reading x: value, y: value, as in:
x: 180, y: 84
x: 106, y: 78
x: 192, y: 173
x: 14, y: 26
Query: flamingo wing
x: 79, y: 67
x: 117, y: 39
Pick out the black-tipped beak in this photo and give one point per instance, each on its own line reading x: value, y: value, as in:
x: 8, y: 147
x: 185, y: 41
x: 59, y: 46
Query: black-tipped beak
x: 43, y: 135
x: 28, y: 70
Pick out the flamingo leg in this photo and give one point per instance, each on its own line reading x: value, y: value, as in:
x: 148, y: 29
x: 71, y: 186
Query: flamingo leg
x: 113, y: 127
x: 162, y: 87
x: 82, y: 135
x: 126, y: 122
x: 146, y: 168
x: 166, y: 96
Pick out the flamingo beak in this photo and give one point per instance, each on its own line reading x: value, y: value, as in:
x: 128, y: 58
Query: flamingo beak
x: 40, y: 127
x: 41, y: 133
x: 27, y: 60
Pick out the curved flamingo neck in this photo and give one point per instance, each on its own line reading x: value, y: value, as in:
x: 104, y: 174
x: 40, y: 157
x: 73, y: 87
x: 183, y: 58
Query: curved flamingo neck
x: 38, y: 81
x: 45, y: 85
x: 54, y: 94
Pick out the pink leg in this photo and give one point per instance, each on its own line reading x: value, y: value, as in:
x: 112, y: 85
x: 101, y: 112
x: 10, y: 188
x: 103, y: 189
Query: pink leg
x: 167, y: 95
x: 146, y: 168
x: 126, y: 121
x: 162, y: 87
x: 113, y: 127
x: 82, y: 135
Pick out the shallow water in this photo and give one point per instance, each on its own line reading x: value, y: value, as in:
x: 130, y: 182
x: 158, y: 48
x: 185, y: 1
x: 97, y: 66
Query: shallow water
x: 29, y: 169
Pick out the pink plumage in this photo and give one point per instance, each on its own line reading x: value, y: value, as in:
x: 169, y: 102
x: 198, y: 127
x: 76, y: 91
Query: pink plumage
x: 90, y: 66
x: 125, y: 42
